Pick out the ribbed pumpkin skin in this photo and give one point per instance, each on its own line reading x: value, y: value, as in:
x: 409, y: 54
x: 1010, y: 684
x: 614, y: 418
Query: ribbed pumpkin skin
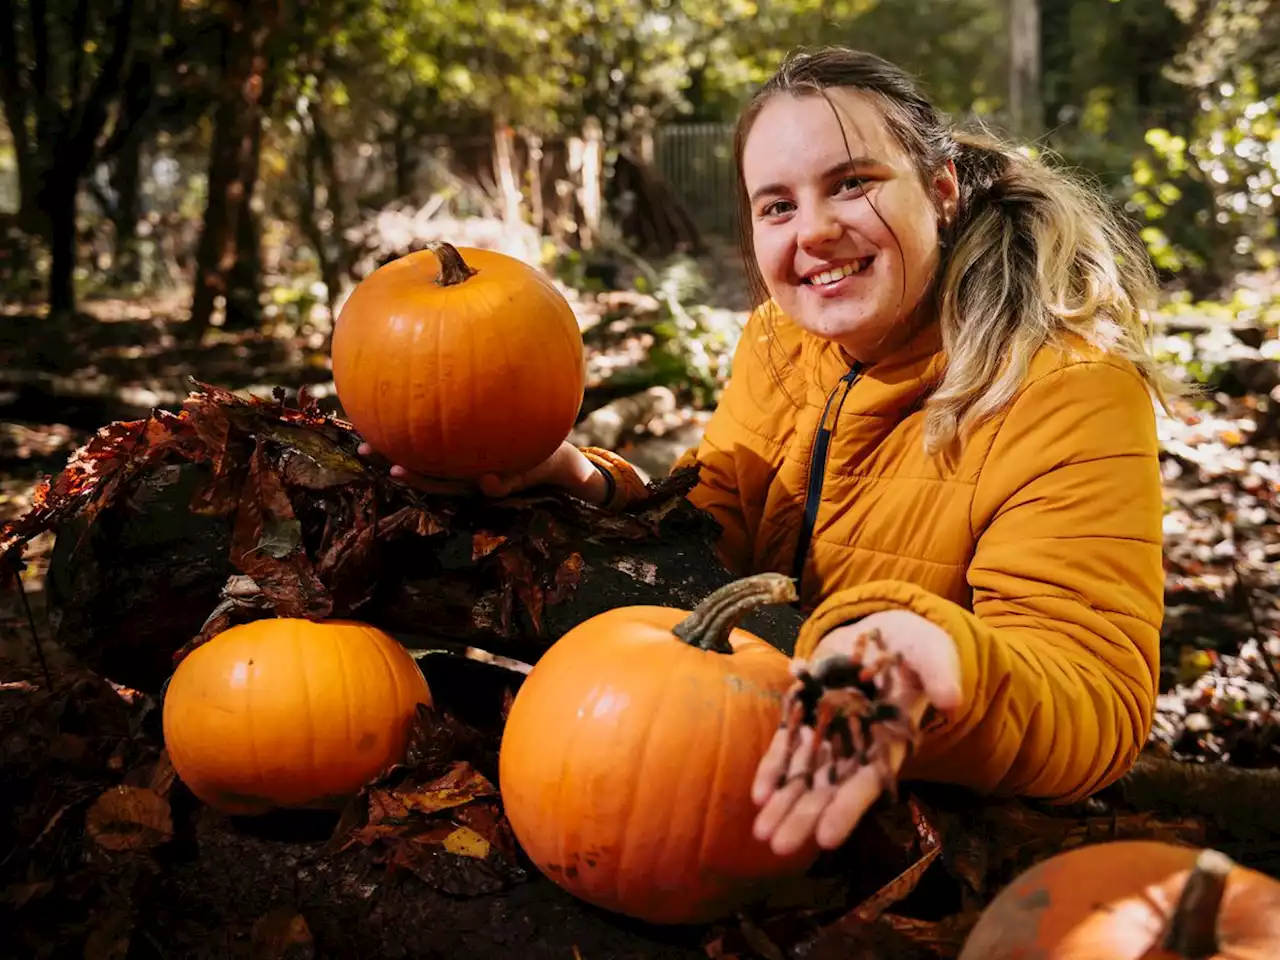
x: 1113, y: 901
x: 290, y: 713
x: 626, y: 767
x: 482, y: 376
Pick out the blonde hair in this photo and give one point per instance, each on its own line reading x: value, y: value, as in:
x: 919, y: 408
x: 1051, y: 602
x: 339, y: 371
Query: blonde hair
x: 1034, y: 255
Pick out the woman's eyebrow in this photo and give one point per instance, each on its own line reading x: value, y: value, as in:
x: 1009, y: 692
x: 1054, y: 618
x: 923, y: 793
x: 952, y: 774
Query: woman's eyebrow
x: 844, y: 166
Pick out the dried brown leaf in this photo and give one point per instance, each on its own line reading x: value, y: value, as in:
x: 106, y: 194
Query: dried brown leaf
x: 348, y: 563
x: 896, y: 889
x: 437, y: 740
x: 310, y: 459
x: 568, y: 573
x: 162, y: 775
x: 129, y: 818
x: 484, y: 543
x: 411, y: 520
x: 521, y: 577
x: 282, y: 569
x: 454, y: 859
x: 461, y: 784
x: 282, y: 934
x: 110, y: 937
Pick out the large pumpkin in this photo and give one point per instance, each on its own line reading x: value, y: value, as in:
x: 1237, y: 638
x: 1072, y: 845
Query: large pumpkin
x: 457, y: 362
x: 290, y: 713
x: 1132, y: 900
x: 629, y: 752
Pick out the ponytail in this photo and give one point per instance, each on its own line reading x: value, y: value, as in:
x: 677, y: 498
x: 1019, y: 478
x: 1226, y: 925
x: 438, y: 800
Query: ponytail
x: 1034, y: 256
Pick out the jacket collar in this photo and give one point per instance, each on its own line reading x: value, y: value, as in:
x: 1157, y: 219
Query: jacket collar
x: 893, y: 384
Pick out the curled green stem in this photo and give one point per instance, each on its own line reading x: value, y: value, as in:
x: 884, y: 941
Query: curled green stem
x: 453, y: 269
x: 1193, y: 929
x: 709, y: 625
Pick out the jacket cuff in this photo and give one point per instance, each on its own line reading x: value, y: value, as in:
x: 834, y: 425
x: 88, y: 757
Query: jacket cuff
x: 625, y: 485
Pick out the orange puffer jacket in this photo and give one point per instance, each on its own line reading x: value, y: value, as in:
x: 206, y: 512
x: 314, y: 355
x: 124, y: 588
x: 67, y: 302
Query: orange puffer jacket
x: 1037, y: 546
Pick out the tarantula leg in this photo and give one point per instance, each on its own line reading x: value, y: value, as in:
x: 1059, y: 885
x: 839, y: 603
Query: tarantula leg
x: 840, y: 730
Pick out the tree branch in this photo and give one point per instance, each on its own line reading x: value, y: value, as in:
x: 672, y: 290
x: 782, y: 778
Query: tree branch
x: 15, y: 112
x: 110, y: 78
x: 79, y: 28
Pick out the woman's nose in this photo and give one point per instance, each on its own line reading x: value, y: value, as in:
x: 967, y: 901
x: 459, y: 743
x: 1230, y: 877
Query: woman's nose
x: 818, y: 227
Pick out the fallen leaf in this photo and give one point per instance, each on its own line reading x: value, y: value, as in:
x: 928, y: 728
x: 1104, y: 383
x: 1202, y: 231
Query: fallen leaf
x: 110, y: 937
x: 282, y: 934
x: 466, y: 843
x: 461, y: 784
x: 129, y: 818
x: 282, y: 570
x: 484, y: 543
x: 412, y: 520
x: 312, y: 460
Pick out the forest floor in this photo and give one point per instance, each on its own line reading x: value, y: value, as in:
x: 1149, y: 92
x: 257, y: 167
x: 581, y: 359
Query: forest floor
x: 147, y: 871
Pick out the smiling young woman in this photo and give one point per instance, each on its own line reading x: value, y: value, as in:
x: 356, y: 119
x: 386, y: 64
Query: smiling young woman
x: 940, y: 422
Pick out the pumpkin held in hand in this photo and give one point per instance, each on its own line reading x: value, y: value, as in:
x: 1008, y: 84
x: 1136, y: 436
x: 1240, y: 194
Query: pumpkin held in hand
x: 455, y: 363
x: 290, y: 713
x: 1132, y: 900
x: 629, y: 752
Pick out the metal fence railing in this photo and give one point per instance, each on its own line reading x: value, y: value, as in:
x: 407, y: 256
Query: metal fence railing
x: 696, y: 160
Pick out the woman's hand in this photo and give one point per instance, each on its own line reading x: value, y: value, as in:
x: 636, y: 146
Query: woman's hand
x: 848, y: 724
x: 568, y: 468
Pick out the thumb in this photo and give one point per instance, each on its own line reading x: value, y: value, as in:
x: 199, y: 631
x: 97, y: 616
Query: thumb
x: 493, y: 485
x: 936, y: 662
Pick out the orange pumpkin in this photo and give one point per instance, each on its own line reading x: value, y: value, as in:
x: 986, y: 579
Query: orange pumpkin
x: 628, y: 755
x: 1132, y: 900
x: 290, y: 713
x: 459, y: 362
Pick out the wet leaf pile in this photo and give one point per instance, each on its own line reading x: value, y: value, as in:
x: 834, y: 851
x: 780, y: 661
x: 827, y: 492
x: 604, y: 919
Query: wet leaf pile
x: 269, y: 511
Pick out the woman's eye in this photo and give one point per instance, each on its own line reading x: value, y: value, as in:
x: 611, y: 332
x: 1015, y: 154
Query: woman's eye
x: 852, y: 184
x: 776, y: 208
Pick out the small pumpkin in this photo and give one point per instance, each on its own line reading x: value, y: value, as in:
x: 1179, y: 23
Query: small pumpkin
x: 290, y: 713
x: 1132, y: 900
x: 629, y: 751
x: 457, y: 362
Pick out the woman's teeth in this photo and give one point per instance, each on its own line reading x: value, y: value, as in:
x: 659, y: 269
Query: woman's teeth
x: 839, y: 273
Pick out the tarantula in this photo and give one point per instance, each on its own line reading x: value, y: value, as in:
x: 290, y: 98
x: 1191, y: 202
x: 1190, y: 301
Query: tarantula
x: 843, y: 700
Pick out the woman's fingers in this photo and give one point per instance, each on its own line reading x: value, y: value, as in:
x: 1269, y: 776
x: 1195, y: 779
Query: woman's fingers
x: 772, y: 765
x: 429, y: 484
x: 846, y: 806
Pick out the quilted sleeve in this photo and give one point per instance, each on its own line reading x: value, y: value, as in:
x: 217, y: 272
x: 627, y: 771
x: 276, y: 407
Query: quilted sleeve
x: 1060, y: 651
x: 736, y: 456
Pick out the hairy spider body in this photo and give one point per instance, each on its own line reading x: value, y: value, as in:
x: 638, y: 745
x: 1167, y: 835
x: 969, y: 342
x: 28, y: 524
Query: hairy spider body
x: 845, y: 700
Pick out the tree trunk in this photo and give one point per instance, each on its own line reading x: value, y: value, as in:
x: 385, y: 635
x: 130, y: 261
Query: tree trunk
x: 1025, y: 110
x: 233, y: 170
x: 406, y: 165
x: 58, y: 200
x: 126, y: 179
x: 504, y: 168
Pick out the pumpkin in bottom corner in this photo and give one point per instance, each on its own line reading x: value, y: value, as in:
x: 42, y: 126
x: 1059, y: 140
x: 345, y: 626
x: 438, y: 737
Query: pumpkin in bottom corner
x: 629, y: 751
x: 285, y: 712
x: 1132, y: 900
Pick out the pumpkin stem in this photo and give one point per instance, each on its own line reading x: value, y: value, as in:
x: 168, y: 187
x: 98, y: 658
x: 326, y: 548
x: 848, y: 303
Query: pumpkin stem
x: 1192, y: 932
x: 709, y: 625
x: 453, y: 269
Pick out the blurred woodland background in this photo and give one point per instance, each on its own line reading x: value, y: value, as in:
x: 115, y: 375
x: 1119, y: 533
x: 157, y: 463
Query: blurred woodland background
x: 190, y: 188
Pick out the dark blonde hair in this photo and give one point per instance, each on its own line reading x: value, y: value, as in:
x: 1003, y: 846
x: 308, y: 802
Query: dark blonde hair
x: 1033, y: 254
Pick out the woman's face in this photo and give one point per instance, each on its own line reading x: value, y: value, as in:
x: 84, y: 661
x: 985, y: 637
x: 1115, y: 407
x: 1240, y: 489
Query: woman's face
x: 847, y: 251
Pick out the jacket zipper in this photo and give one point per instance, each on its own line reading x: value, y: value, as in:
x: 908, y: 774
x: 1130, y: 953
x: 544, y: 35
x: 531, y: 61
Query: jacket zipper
x: 818, y: 469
